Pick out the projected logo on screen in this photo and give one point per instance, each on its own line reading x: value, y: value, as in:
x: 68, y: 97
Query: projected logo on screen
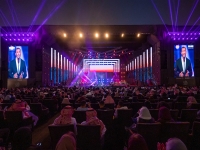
x: 101, y: 65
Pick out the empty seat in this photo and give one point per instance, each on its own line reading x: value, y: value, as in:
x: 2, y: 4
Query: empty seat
x: 36, y: 108
x: 189, y: 115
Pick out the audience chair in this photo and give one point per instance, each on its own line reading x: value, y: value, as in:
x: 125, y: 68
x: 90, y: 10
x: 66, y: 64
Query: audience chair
x: 189, y: 115
x: 124, y: 115
x: 80, y: 116
x: 174, y: 129
x: 57, y: 131
x: 88, y: 137
x: 174, y: 114
x: 195, y: 136
x: 106, y: 116
x: 154, y: 113
x: 150, y: 132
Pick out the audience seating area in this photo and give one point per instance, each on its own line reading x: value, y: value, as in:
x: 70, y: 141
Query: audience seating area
x: 186, y: 125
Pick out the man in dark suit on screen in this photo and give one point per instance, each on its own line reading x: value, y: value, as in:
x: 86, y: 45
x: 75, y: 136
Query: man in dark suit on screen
x: 17, y: 66
x: 183, y: 65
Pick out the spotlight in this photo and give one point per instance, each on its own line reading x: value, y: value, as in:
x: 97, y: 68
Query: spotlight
x: 96, y: 35
x: 80, y: 35
x: 106, y: 35
x: 122, y: 35
x: 65, y: 35
x: 138, y: 35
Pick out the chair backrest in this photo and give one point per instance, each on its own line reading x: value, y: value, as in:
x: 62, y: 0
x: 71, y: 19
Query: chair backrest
x: 174, y: 129
x: 136, y: 106
x: 36, y: 108
x: 106, y: 116
x: 22, y: 138
x: 180, y: 106
x: 110, y: 106
x: 124, y: 115
x: 154, y: 113
x: 13, y: 116
x: 95, y: 105
x: 196, y: 134
x: 79, y: 115
x: 189, y: 115
x: 150, y: 132
x: 174, y: 113
x: 195, y: 106
x: 57, y: 131
x: 88, y: 137
x: 181, y: 98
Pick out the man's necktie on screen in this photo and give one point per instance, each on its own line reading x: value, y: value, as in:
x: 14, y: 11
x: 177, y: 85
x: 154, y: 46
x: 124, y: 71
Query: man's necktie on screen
x: 184, y: 64
x: 18, y: 66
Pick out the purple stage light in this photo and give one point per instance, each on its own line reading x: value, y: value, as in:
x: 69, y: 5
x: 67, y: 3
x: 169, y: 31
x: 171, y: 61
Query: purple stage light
x: 10, y: 34
x: 14, y: 39
x: 10, y: 39
x: 23, y: 39
x: 195, y: 38
x: 14, y: 34
x: 22, y: 34
x: 27, y: 34
x: 6, y: 39
x: 6, y: 35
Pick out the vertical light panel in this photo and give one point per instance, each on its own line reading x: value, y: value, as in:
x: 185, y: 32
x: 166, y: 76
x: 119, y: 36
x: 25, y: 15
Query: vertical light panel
x: 58, y: 68
x: 67, y: 69
x: 130, y: 66
x: 61, y: 68
x: 144, y: 67
x: 51, y: 70
x: 141, y: 74
x: 150, y: 56
x: 72, y: 69
x: 126, y: 68
x: 64, y: 69
x: 147, y: 58
x: 55, y: 67
x: 138, y: 68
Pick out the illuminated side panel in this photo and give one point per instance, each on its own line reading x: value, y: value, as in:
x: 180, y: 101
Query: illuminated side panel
x: 151, y: 60
x: 61, y: 69
x: 130, y: 66
x: 126, y: 68
x: 67, y: 69
x: 140, y: 67
x: 55, y: 72
x: 147, y: 63
x: 58, y: 68
x: 64, y: 69
x: 51, y: 70
x: 144, y: 67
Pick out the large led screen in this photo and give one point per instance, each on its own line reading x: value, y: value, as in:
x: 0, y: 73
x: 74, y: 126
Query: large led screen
x: 183, y: 61
x: 18, y: 62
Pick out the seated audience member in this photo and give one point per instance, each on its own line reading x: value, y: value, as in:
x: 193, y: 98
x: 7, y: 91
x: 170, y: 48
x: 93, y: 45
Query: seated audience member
x: 4, y: 134
x: 102, y: 106
x: 83, y: 106
x: 66, y: 117
x: 144, y: 116
x: 172, y: 144
x: 91, y: 119
x: 164, y: 115
x: 119, y: 106
x: 67, y: 142
x: 138, y: 94
x: 65, y: 101
x: 20, y: 105
x: 137, y: 142
x: 191, y: 100
x: 109, y: 99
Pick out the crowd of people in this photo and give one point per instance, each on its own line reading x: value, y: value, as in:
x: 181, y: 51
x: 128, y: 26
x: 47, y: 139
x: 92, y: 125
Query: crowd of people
x: 85, y: 96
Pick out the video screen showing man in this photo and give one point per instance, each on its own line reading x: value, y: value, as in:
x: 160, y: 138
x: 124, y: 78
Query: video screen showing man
x: 183, y: 66
x: 17, y: 66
